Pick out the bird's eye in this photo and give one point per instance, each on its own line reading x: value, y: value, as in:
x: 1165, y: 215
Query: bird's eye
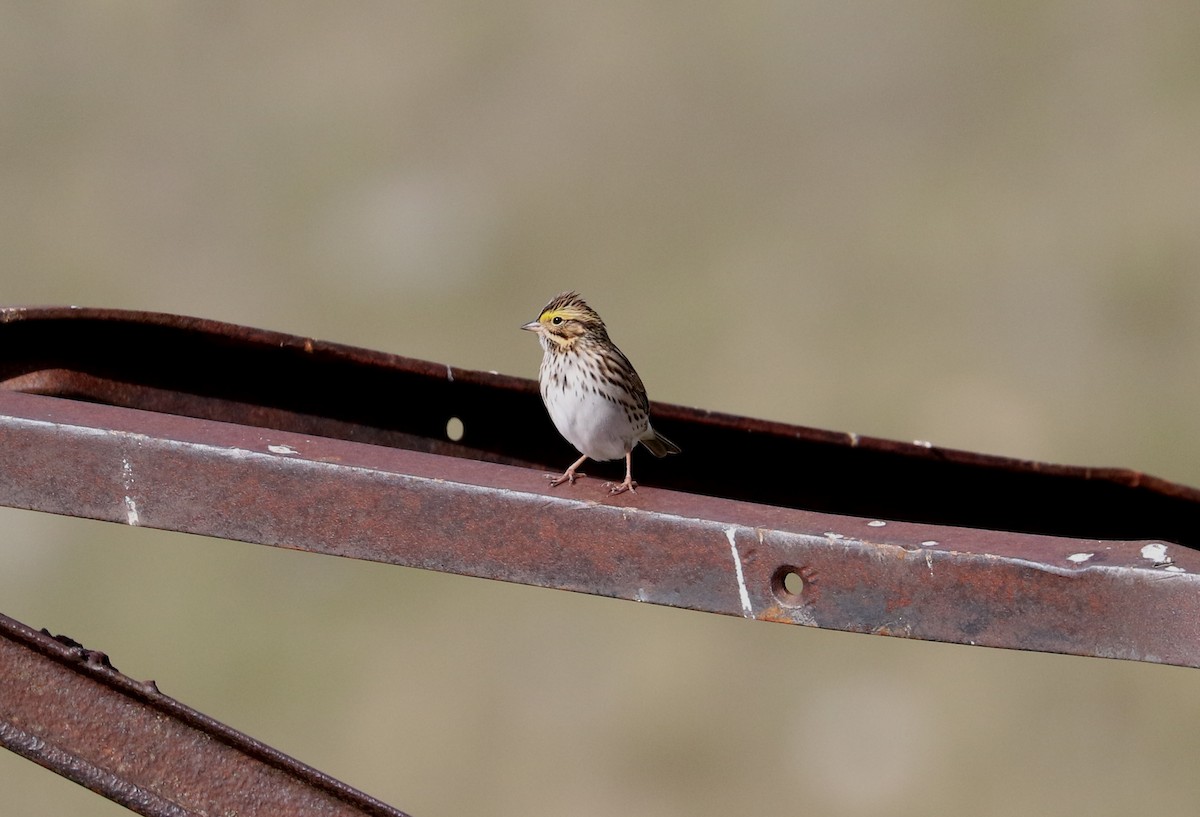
x: 556, y: 320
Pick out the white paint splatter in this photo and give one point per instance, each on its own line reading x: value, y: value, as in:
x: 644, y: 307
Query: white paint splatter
x: 282, y: 449
x: 876, y: 523
x: 747, y: 609
x: 930, y: 543
x: 853, y: 439
x: 131, y: 511
x: 449, y: 373
x: 1079, y: 558
x: 1156, y: 552
x: 923, y: 443
x: 831, y: 535
x: 929, y: 562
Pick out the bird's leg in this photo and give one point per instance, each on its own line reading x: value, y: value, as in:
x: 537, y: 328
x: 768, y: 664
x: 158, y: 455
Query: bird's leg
x: 615, y: 488
x: 569, y: 475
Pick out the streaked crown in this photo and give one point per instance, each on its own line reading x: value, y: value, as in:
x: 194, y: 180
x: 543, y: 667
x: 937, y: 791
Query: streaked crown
x: 569, y: 306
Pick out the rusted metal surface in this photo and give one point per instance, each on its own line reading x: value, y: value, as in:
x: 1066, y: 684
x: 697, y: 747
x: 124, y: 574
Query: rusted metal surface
x: 66, y: 708
x: 457, y: 515
x: 211, y: 370
x: 202, y: 427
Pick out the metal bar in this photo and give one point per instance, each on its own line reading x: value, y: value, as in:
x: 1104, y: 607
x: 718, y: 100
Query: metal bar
x: 66, y: 708
x: 1135, y: 600
x: 208, y: 428
x: 211, y: 370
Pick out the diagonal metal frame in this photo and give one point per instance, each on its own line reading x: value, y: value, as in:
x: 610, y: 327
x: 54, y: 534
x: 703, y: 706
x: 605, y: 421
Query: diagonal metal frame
x: 68, y: 709
x: 208, y: 428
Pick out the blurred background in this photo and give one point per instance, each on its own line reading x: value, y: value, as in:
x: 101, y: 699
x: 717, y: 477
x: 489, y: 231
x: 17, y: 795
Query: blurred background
x: 971, y: 223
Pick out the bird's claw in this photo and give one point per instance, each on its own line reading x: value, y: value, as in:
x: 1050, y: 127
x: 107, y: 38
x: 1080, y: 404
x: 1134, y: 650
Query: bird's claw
x: 615, y: 488
x: 569, y: 476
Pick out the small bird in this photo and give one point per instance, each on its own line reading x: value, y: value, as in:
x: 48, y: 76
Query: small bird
x: 593, y: 395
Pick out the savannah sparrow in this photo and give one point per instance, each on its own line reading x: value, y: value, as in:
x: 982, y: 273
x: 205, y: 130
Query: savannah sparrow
x: 595, y: 398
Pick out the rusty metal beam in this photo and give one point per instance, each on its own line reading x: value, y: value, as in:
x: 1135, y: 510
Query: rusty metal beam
x: 211, y: 370
x: 243, y: 434
x: 246, y: 434
x: 1024, y: 591
x: 68, y: 709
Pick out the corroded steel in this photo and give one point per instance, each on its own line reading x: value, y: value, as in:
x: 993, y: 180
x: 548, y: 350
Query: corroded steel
x: 1136, y: 600
x: 212, y: 370
x: 66, y: 708
x: 197, y: 426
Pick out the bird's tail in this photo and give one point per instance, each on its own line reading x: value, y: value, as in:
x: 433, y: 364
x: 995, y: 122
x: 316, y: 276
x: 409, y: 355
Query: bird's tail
x: 659, y: 445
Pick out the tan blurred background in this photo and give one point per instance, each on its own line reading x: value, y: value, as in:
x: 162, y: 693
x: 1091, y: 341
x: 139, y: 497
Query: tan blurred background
x: 972, y: 223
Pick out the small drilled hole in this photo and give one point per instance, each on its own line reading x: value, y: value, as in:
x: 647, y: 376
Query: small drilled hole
x: 454, y: 429
x: 788, y: 584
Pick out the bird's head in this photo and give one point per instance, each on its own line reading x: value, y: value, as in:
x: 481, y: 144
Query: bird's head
x: 564, y: 320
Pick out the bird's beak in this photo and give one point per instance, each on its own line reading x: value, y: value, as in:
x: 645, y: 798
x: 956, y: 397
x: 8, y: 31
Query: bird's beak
x: 532, y: 326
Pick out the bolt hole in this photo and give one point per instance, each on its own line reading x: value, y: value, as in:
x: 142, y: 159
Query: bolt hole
x: 454, y: 429
x: 788, y: 584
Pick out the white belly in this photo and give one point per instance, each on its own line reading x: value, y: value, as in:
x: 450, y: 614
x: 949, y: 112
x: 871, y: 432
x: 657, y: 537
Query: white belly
x: 598, y: 426
x: 595, y: 426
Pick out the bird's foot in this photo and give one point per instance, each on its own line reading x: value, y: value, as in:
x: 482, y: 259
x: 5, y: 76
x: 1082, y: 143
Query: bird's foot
x: 569, y: 476
x: 615, y: 488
